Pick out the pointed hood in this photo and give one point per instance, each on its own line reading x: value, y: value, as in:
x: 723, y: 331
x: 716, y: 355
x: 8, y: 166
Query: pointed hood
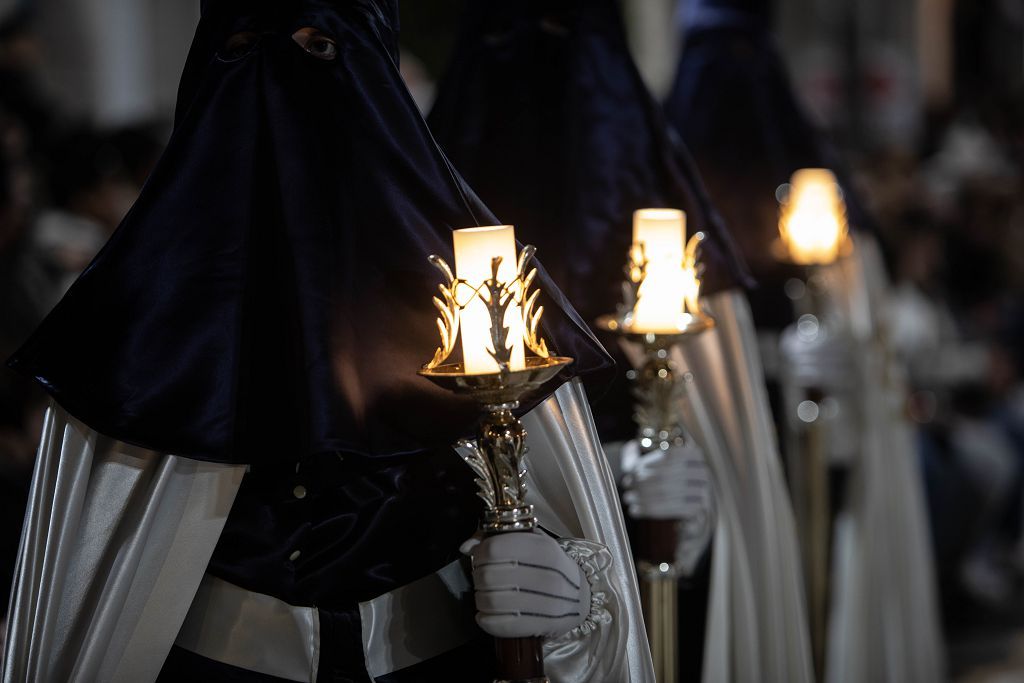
x: 269, y: 293
x: 735, y: 107
x: 545, y: 113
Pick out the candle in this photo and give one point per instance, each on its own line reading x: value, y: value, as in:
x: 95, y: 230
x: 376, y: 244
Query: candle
x: 475, y: 248
x: 813, y: 219
x: 661, y: 300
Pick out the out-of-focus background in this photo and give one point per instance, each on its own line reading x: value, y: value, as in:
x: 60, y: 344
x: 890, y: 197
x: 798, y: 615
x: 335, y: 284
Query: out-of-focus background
x: 924, y: 97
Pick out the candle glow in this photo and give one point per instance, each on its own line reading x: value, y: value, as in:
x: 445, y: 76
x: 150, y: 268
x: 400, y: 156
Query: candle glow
x: 668, y: 287
x: 475, y: 249
x: 813, y: 219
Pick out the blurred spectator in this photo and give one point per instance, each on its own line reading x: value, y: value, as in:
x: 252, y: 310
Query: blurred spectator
x: 94, y: 178
x: 87, y: 179
x: 22, y: 280
x: 20, y: 95
x: 955, y: 221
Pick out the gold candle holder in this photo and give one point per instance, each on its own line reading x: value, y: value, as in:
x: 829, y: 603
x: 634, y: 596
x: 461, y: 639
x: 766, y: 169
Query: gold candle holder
x: 658, y: 389
x: 496, y: 456
x: 813, y: 237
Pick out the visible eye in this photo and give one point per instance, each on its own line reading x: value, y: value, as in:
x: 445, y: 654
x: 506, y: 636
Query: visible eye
x: 239, y: 45
x: 316, y: 43
x: 554, y: 26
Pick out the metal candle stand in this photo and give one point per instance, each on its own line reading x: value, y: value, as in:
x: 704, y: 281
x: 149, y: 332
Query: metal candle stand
x: 658, y: 390
x: 497, y: 455
x: 808, y: 461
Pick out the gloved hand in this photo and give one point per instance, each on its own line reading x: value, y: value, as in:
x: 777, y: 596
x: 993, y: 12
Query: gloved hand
x: 526, y: 586
x: 817, y: 356
x: 672, y: 484
x: 820, y: 358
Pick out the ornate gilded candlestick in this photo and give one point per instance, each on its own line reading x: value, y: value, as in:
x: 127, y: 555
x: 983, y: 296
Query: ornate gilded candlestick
x: 496, y: 313
x: 670, y: 314
x: 813, y: 237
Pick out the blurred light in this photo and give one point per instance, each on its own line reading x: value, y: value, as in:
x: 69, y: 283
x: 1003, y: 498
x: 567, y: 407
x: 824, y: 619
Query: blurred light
x: 813, y: 219
x: 807, y: 411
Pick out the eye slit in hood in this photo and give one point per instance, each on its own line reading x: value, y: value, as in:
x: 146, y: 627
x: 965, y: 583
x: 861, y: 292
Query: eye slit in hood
x: 316, y: 43
x: 239, y: 46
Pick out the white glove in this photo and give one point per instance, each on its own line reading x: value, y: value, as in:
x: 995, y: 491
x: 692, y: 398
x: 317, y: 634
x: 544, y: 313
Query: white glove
x: 817, y: 356
x: 527, y: 586
x: 672, y: 484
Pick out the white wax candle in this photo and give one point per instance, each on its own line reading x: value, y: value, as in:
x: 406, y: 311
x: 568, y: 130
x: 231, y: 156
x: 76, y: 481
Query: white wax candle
x: 661, y: 303
x: 475, y: 248
x: 813, y: 220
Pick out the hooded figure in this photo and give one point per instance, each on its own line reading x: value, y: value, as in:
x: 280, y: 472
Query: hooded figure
x: 734, y: 106
x: 546, y: 115
x: 248, y: 341
x: 733, y: 103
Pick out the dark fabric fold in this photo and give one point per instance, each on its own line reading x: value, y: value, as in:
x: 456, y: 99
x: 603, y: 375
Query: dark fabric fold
x: 268, y: 296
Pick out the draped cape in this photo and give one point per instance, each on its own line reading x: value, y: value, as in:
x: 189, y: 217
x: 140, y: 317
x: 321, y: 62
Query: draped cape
x: 268, y: 295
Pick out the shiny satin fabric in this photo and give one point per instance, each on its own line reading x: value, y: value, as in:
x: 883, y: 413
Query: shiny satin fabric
x: 259, y: 633
x: 115, y: 543
x: 419, y: 621
x: 575, y: 496
x: 252, y: 631
x: 544, y: 112
x: 734, y: 105
x: 279, y: 249
x: 726, y: 410
x: 884, y: 623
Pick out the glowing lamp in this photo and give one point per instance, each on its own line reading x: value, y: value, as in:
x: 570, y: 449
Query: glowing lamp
x: 812, y: 223
x: 475, y: 251
x: 663, y: 265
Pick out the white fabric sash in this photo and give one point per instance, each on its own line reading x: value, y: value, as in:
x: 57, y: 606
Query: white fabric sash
x: 261, y: 633
x: 252, y: 631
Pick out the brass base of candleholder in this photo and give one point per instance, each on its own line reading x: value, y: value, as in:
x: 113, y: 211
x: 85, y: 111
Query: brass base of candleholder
x: 658, y: 391
x: 659, y: 599
x: 497, y: 387
x: 808, y: 466
x: 658, y: 338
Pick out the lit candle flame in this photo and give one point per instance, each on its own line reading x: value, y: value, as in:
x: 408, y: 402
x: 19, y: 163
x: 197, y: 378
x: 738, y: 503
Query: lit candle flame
x: 667, y: 297
x: 475, y: 250
x: 813, y: 218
